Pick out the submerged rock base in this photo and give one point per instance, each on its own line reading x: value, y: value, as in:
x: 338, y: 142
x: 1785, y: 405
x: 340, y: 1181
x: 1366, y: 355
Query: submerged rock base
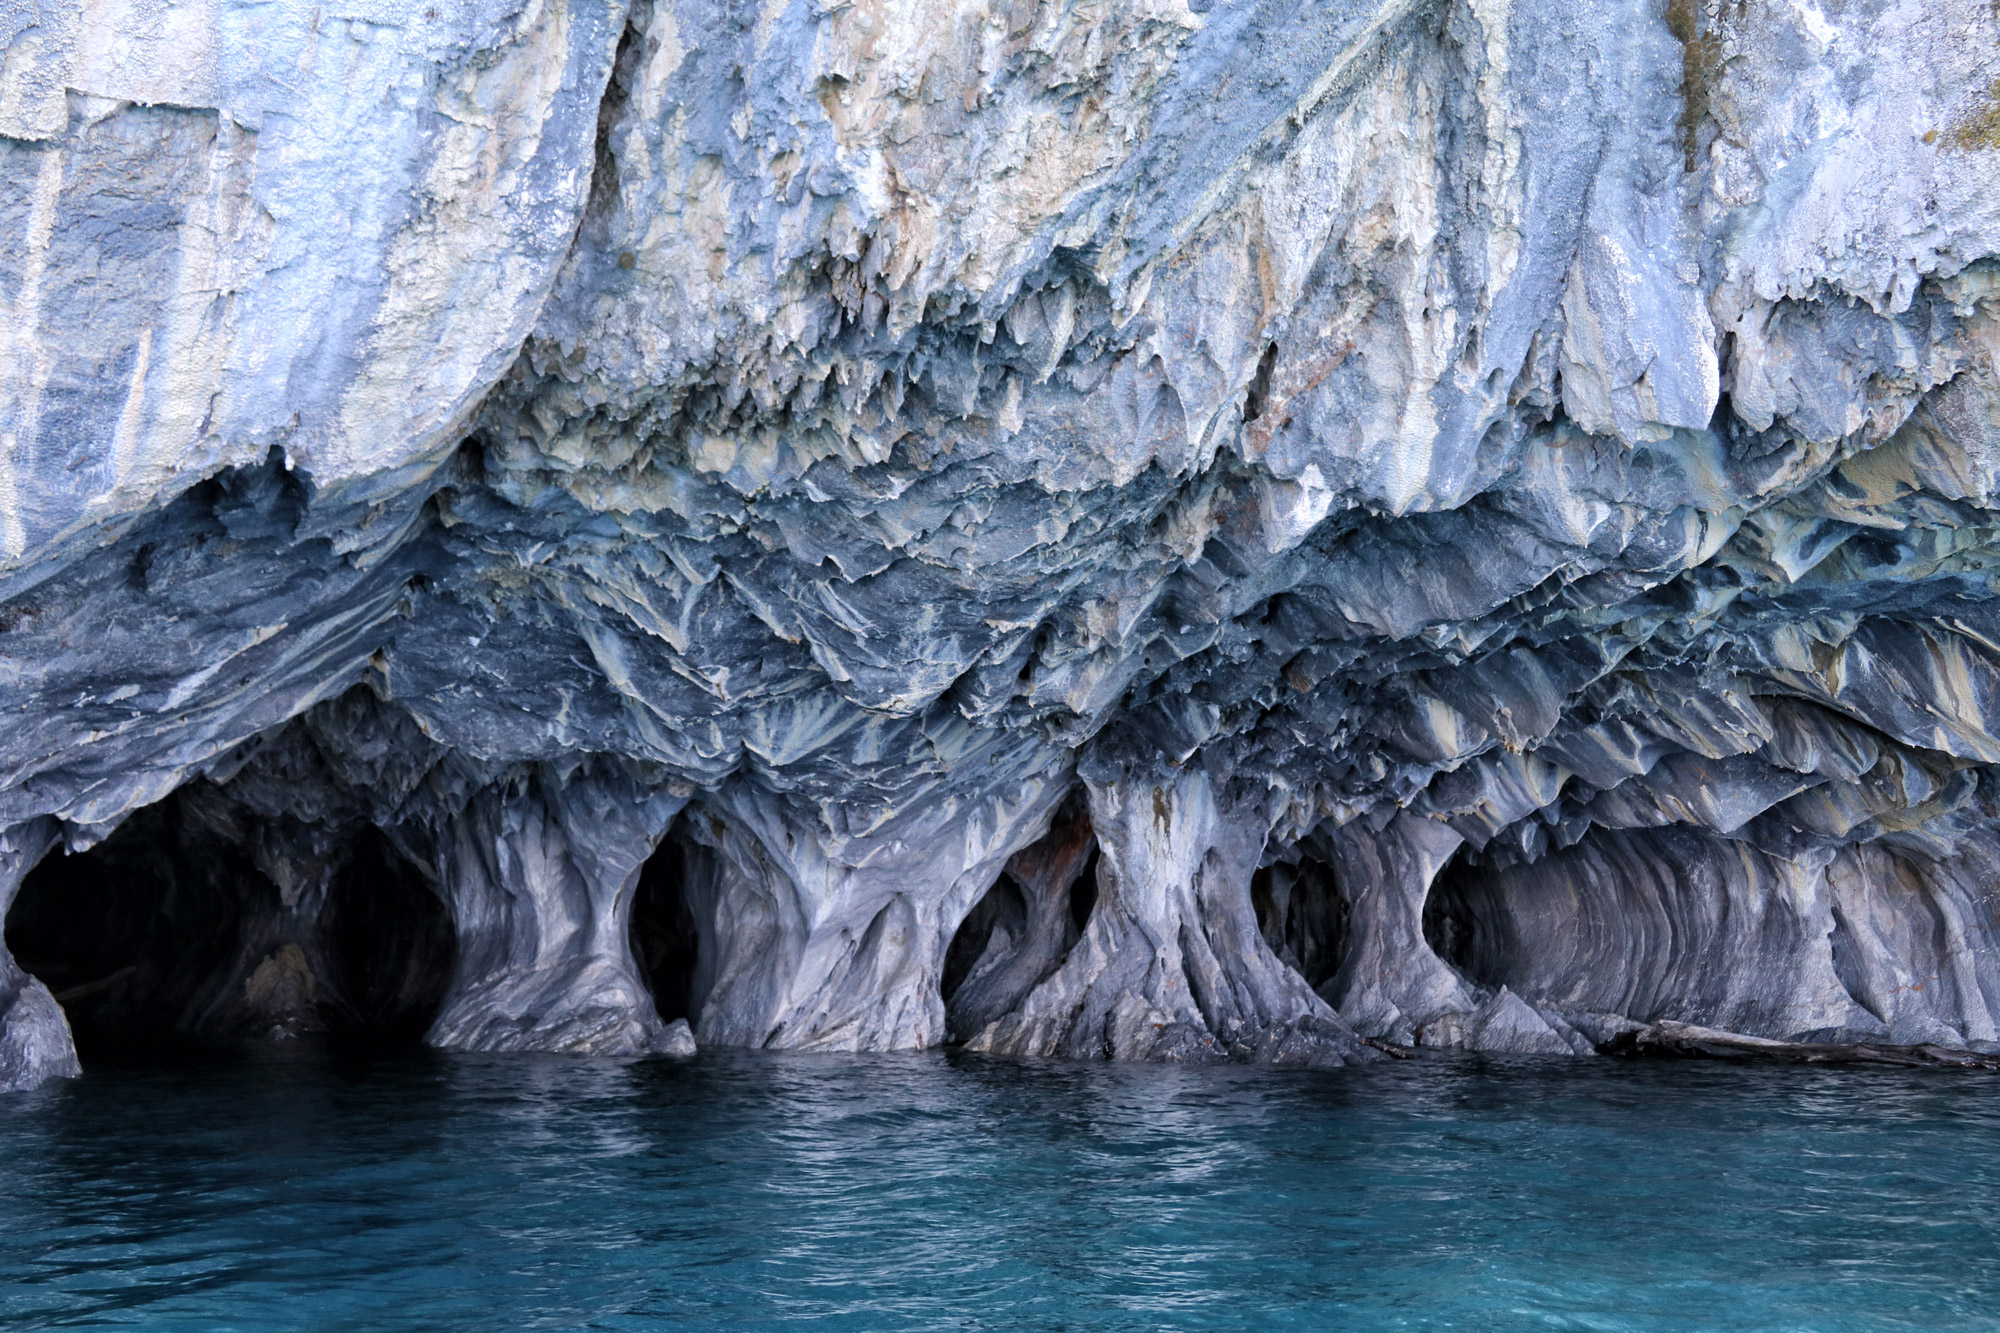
x: 1692, y: 1042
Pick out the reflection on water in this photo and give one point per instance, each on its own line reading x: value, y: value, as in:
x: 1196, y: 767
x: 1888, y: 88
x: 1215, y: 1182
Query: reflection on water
x: 296, y: 1189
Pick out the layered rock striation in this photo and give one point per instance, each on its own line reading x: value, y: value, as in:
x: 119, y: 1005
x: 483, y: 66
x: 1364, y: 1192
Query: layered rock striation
x: 1236, y: 530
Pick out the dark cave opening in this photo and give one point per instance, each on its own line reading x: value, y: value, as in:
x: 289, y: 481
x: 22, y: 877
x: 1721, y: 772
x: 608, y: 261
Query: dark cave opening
x: 120, y: 932
x: 666, y: 941
x: 1083, y: 895
x: 1302, y: 916
x: 1012, y: 939
x: 167, y: 934
x: 1451, y: 917
x: 390, y: 943
x: 1002, y: 907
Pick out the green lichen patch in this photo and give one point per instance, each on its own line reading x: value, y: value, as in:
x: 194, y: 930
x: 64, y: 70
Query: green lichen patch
x: 1979, y: 128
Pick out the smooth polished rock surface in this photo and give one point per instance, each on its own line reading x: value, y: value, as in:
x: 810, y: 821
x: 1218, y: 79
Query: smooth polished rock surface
x: 1480, y: 517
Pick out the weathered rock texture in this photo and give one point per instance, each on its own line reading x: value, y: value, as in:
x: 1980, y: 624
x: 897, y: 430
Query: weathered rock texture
x: 1466, y: 523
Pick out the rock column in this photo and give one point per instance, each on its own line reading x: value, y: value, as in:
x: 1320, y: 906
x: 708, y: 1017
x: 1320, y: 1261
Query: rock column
x: 1171, y: 965
x: 815, y: 940
x: 538, y: 871
x: 1390, y: 982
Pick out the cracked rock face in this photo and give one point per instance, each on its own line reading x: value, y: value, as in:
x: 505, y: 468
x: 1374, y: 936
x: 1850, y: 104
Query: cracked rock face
x: 1240, y: 530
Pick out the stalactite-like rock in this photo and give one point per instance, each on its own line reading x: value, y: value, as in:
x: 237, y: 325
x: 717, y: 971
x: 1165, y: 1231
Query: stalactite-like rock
x: 1481, y: 517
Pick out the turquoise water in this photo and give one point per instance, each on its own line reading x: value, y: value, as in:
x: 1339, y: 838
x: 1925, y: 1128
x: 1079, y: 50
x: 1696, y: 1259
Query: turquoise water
x: 302, y: 1190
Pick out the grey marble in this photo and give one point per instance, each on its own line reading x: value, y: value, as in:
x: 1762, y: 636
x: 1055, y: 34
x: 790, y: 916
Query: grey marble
x: 1463, y: 524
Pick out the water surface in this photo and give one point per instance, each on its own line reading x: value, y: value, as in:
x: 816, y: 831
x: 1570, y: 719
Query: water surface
x: 300, y: 1189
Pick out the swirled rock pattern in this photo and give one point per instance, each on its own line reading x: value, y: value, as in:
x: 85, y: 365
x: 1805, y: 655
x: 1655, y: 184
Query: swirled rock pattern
x: 1246, y: 529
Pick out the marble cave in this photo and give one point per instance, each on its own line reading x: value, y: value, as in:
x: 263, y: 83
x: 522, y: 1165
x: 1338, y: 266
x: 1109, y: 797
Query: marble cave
x: 1284, y: 531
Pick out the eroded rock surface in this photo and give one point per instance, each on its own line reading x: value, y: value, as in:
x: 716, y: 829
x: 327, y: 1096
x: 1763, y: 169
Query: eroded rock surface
x: 1297, y: 526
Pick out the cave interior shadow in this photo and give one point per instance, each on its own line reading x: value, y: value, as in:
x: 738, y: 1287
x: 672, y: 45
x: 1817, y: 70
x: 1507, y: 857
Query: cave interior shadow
x: 1302, y: 915
x: 165, y: 939
x: 665, y: 938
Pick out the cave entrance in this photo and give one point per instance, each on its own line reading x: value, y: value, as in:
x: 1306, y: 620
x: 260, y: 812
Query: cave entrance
x: 1452, y: 925
x: 389, y: 943
x: 1002, y: 908
x: 1302, y: 916
x: 1023, y: 927
x: 666, y: 942
x: 167, y: 932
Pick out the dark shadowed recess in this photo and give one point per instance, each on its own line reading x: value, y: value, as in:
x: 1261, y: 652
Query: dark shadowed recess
x: 167, y: 933
x: 665, y: 940
x: 391, y: 943
x: 1014, y: 937
x: 1468, y: 925
x: 1302, y: 916
x: 1453, y: 922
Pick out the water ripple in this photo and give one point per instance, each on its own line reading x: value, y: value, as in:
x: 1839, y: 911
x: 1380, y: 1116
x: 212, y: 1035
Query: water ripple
x: 298, y: 1190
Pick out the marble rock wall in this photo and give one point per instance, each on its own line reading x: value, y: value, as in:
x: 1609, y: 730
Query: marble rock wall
x: 1300, y: 525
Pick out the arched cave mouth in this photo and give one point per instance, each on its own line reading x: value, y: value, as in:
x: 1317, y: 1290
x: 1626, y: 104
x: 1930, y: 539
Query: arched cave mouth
x: 1003, y: 906
x: 666, y: 940
x: 1004, y: 948
x: 1454, y: 925
x: 1302, y: 916
x: 166, y: 937
x: 392, y: 945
